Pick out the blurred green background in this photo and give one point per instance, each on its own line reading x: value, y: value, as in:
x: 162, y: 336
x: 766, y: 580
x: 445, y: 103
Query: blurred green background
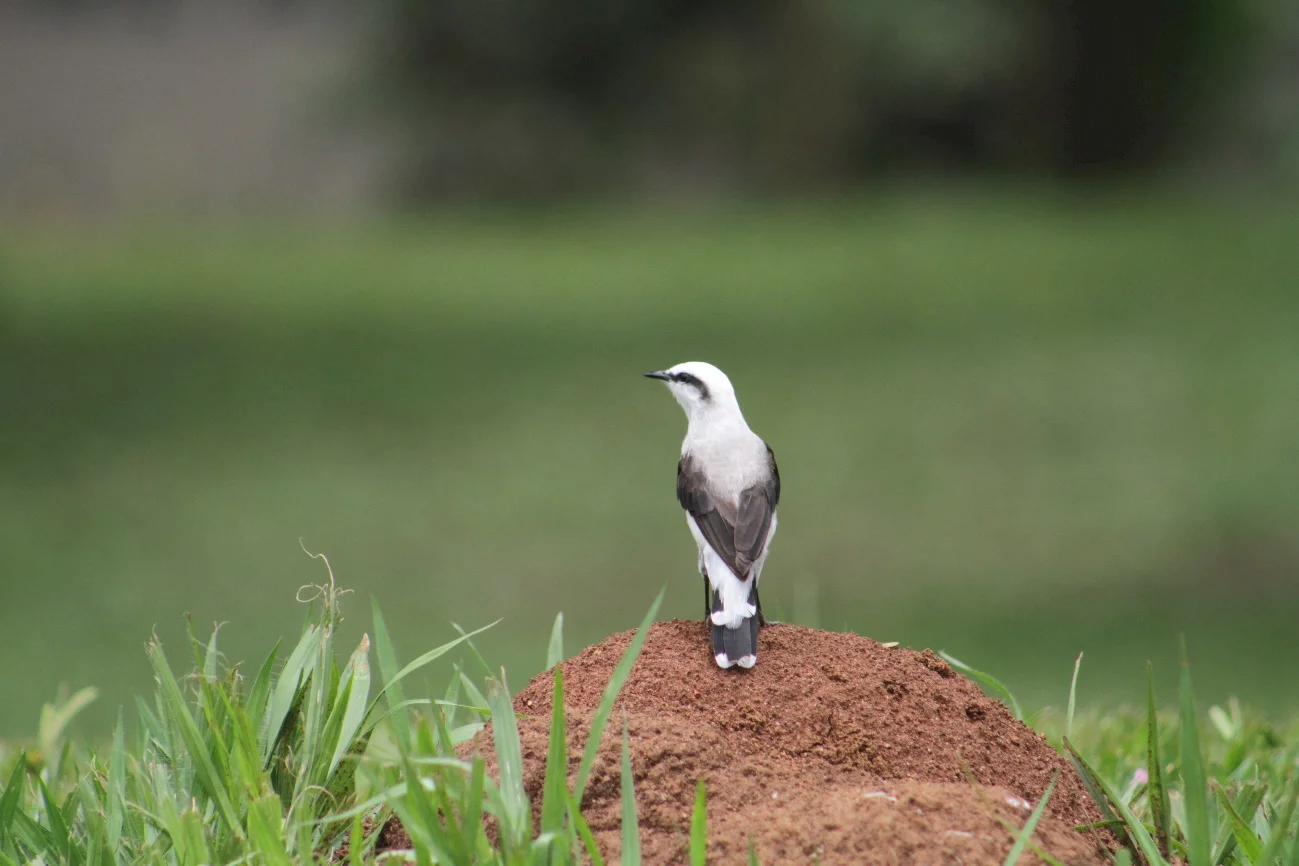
x: 1031, y: 379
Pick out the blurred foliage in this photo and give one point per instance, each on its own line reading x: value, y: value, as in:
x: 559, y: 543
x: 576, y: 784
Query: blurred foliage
x: 551, y: 96
x: 985, y: 409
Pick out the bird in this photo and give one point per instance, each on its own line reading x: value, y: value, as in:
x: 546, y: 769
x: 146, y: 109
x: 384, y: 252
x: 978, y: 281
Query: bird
x: 729, y: 486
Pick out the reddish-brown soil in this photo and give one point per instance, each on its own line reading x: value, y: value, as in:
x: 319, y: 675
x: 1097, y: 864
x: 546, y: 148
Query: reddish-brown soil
x: 833, y: 749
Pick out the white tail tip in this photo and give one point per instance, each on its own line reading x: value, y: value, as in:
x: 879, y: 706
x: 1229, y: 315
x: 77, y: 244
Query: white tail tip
x: 723, y: 661
x: 747, y: 661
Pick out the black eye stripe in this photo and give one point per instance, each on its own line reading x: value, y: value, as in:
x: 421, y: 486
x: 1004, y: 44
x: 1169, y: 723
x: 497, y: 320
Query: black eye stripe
x: 692, y: 380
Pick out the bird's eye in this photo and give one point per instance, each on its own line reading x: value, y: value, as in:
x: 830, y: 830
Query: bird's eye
x: 694, y: 381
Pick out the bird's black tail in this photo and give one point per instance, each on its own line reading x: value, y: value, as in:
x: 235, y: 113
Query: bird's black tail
x: 730, y: 645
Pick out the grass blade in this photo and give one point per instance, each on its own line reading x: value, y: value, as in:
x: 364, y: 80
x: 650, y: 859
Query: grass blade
x: 1281, y: 827
x: 193, y: 841
x: 116, y: 793
x: 556, y: 781
x: 555, y: 652
x: 354, y: 714
x: 12, y: 798
x: 1111, y: 803
x: 1073, y: 697
x: 473, y: 814
x: 387, y: 655
x: 699, y: 828
x: 430, y: 656
x: 1194, y: 789
x: 1245, y: 836
x: 285, y: 692
x: 266, y: 831
x: 509, y: 760
x: 418, y: 815
x: 630, y: 824
x: 356, y: 843
x: 1247, y: 803
x: 178, y: 713
x: 1292, y: 858
x: 1161, y: 814
x: 61, y: 834
x: 988, y: 681
x: 602, y: 712
x: 583, y: 831
x: 260, y: 691
x: 1022, y: 840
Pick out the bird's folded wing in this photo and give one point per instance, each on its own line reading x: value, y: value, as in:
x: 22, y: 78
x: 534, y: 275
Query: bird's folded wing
x: 736, y: 534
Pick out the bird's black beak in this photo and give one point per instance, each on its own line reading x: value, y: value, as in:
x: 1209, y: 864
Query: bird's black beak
x: 658, y: 374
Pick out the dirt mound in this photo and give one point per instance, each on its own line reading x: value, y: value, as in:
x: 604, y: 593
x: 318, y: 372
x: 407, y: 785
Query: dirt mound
x: 834, y: 749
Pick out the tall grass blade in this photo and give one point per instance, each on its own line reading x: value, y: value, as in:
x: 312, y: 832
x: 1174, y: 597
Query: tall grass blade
x: 285, y: 692
x: 177, y: 713
x: 354, y: 713
x: 59, y: 831
x: 387, y: 655
x: 1161, y: 814
x: 987, y: 681
x: 266, y: 831
x: 193, y: 841
x: 1292, y: 858
x: 259, y: 692
x: 1247, y: 803
x: 630, y: 824
x: 250, y: 775
x: 1110, y: 802
x: 1199, y: 835
x: 473, y: 814
x: 33, y: 835
x: 356, y: 843
x: 93, y: 832
x: 555, y: 785
x: 555, y: 652
x: 583, y: 831
x: 12, y: 798
x: 1026, y: 834
x: 620, y: 674
x: 116, y: 793
x: 418, y: 815
x: 1280, y: 828
x: 699, y: 828
x: 430, y: 656
x: 1245, y: 837
x: 509, y: 761
x: 753, y: 853
x: 1073, y: 696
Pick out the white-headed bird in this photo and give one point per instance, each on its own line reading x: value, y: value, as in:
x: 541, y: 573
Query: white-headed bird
x: 729, y: 486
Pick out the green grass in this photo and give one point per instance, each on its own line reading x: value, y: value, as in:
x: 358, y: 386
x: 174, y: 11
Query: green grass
x: 304, y: 760
x: 984, y: 409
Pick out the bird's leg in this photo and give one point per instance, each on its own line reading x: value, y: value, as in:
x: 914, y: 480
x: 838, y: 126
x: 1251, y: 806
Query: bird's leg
x: 757, y: 602
x: 708, y: 599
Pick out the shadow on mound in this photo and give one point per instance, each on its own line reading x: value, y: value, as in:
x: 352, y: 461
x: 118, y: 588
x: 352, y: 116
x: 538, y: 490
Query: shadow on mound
x: 832, y: 749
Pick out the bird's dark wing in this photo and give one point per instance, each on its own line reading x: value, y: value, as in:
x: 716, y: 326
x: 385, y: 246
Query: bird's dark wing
x: 717, y: 528
x: 775, y: 477
x: 736, y: 534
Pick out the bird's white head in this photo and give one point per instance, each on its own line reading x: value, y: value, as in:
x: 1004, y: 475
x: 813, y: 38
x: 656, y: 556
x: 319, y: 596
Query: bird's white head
x: 704, y: 392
